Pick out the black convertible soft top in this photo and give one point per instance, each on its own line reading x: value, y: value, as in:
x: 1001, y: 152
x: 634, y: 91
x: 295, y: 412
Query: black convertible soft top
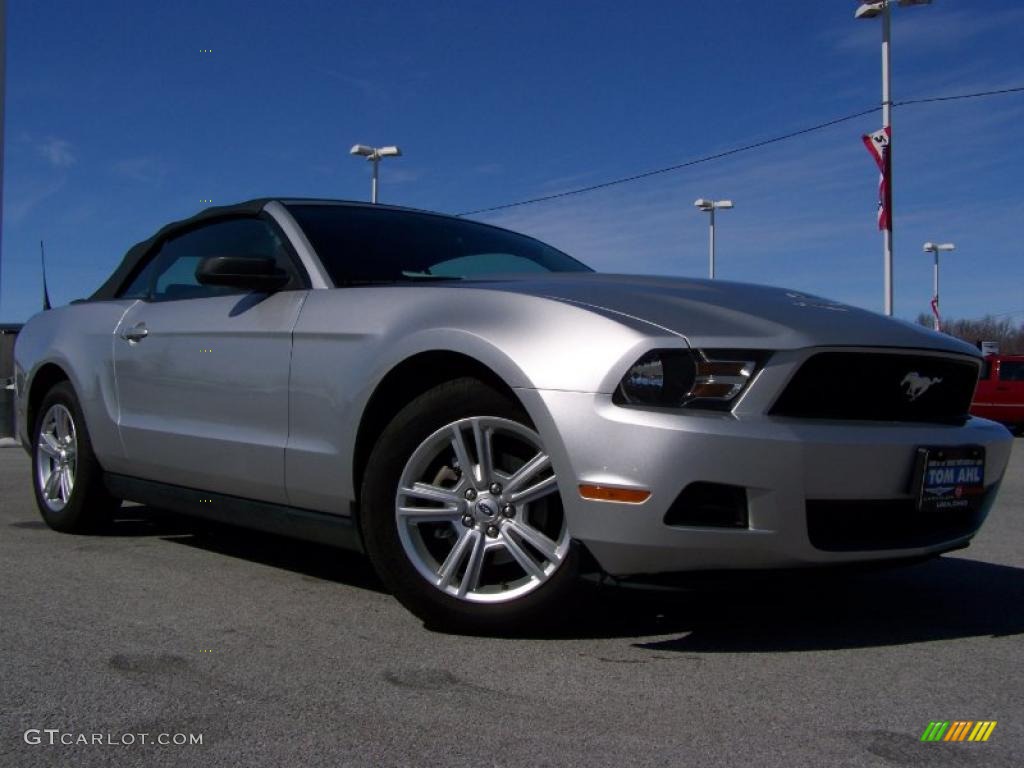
x: 139, y: 250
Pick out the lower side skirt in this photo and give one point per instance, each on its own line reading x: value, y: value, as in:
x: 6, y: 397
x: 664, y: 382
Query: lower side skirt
x: 305, y: 524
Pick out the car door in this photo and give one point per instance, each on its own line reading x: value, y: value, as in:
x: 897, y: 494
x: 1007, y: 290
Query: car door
x: 202, y: 371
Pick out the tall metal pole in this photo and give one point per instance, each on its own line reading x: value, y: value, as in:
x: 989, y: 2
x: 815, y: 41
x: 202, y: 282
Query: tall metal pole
x: 887, y: 123
x: 711, y: 245
x: 3, y: 81
x: 935, y: 289
x: 373, y: 184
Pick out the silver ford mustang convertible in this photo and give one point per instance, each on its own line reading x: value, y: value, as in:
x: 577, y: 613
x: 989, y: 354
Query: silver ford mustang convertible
x: 488, y: 418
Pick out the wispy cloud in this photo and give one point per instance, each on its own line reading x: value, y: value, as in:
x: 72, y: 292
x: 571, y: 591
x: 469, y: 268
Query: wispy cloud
x: 558, y: 184
x: 396, y: 175
x: 23, y: 198
x: 57, y: 152
x: 145, y: 170
x: 362, y: 84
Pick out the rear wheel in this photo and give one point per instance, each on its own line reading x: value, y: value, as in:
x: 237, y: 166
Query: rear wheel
x: 67, y: 478
x: 461, y: 512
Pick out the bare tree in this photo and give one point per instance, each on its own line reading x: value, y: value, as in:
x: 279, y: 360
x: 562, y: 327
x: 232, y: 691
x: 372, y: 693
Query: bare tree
x: 1004, y: 331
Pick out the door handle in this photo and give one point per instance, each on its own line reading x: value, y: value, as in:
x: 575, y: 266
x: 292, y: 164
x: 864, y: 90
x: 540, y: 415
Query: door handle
x: 135, y: 333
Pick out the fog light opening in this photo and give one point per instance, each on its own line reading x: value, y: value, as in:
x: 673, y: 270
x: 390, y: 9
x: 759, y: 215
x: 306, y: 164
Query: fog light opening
x: 710, y: 505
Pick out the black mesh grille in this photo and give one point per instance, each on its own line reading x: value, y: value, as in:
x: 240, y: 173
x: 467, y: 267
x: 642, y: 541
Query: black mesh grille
x: 846, y: 526
x: 880, y: 387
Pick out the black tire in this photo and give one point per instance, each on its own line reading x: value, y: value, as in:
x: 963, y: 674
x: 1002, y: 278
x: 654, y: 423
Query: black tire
x: 438, y: 407
x: 89, y: 507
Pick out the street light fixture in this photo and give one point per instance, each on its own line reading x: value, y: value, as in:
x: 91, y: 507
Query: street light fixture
x: 374, y: 154
x: 710, y: 206
x: 870, y: 11
x: 935, y: 248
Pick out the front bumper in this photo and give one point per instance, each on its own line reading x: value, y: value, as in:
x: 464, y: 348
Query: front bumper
x: 782, y: 464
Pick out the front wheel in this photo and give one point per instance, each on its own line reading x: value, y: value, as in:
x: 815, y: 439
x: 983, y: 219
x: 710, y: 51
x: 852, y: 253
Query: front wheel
x: 461, y: 513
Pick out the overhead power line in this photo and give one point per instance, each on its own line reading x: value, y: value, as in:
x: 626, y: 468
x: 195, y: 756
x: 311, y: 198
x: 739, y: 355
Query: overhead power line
x: 733, y: 151
x: 669, y: 169
x: 976, y: 95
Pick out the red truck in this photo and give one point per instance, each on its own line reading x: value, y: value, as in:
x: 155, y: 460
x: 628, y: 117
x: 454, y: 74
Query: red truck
x: 1000, y: 392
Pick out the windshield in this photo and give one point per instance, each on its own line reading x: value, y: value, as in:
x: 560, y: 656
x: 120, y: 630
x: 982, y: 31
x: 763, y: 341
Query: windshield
x: 362, y: 244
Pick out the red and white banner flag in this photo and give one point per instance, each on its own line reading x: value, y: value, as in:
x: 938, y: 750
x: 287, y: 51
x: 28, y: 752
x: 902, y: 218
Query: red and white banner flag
x: 877, y: 144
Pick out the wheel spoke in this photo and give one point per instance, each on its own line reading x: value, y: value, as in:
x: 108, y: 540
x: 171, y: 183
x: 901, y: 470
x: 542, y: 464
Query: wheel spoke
x: 427, y: 492
x: 52, y: 484
x: 536, y: 491
x: 418, y: 515
x: 537, y: 540
x: 471, y: 578
x: 455, y: 557
x: 48, y: 445
x: 461, y: 454
x: 521, y: 556
x: 482, y: 437
x: 65, y: 483
x: 538, y: 463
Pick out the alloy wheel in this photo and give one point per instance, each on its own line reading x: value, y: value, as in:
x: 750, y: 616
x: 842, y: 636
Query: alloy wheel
x: 478, y: 510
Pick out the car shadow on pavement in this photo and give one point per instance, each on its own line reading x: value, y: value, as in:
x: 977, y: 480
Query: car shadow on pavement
x: 317, y: 561
x: 131, y: 520
x: 950, y: 597
x: 814, y: 609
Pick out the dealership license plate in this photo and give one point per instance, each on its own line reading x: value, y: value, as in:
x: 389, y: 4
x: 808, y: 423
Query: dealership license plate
x: 950, y: 478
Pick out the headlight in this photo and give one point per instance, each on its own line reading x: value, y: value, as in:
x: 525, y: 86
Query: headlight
x: 674, y: 378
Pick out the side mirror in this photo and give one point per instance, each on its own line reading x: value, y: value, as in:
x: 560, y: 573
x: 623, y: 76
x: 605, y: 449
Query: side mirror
x: 257, y: 273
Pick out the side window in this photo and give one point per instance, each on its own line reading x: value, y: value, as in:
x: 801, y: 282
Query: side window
x: 986, y: 371
x: 1011, y: 370
x: 171, y: 272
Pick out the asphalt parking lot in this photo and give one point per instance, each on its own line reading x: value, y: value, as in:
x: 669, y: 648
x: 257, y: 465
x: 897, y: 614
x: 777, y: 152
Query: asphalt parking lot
x: 281, y: 653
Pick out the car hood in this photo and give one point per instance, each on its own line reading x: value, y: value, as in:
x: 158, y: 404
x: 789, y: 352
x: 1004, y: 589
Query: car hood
x: 715, y: 313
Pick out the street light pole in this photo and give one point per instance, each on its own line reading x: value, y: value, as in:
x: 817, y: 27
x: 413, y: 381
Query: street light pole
x: 711, y: 246
x: 935, y: 248
x: 869, y: 10
x: 709, y: 206
x: 376, y: 176
x: 3, y: 84
x: 887, y: 125
x: 374, y: 155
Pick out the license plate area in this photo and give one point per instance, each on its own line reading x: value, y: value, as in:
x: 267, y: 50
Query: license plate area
x: 948, y: 478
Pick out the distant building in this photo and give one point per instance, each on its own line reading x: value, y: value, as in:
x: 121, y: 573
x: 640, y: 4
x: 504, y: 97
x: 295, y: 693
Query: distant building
x: 8, y: 332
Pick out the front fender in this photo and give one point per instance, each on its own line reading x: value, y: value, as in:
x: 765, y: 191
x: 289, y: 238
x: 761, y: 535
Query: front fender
x: 347, y: 340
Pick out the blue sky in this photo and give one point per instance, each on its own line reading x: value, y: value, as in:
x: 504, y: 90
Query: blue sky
x: 117, y: 122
